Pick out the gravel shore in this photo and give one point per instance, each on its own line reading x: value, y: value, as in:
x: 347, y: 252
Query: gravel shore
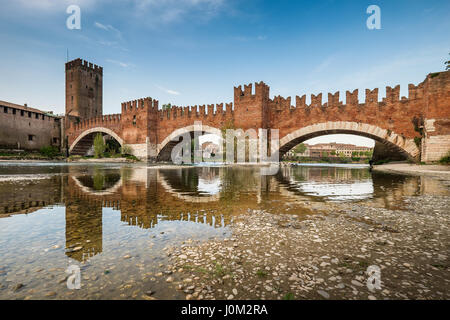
x: 323, y: 256
x: 430, y: 170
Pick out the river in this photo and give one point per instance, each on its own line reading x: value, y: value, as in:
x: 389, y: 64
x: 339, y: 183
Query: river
x: 122, y: 224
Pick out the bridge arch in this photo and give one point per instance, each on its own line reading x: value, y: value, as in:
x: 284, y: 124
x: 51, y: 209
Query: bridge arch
x: 406, y: 147
x: 166, y: 146
x: 88, y: 135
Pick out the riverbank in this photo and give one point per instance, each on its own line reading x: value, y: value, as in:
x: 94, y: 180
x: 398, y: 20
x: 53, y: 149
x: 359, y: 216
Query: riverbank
x: 323, y: 256
x: 414, y: 169
x: 101, y: 160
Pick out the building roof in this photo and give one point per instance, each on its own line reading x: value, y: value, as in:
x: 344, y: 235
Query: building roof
x: 27, y: 109
x: 336, y: 145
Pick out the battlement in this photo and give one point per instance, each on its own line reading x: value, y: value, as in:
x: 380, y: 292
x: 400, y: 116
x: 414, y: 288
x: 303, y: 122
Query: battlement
x: 261, y: 91
x: 209, y: 110
x: 352, y: 98
x: 145, y: 104
x: 79, y: 63
x: 102, y: 121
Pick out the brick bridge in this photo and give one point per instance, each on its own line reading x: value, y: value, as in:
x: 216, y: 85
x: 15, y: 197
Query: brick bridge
x: 417, y: 127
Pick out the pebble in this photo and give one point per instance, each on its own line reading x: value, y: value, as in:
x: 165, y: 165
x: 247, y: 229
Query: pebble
x: 323, y: 294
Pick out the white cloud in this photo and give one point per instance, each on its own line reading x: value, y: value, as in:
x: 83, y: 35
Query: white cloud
x: 101, y: 26
x: 343, y: 138
x: 120, y: 63
x: 171, y: 92
x: 324, y: 65
x: 245, y: 38
x: 55, y: 5
x: 108, y: 28
x: 169, y: 11
x: 152, y: 12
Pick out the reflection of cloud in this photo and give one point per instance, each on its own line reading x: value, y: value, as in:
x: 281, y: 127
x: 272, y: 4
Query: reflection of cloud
x: 209, y: 186
x: 338, y: 191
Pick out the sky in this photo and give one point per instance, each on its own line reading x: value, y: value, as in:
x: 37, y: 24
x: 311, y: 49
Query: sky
x: 193, y: 52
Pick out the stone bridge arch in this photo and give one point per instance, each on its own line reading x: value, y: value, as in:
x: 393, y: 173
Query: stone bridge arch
x: 164, y: 149
x: 85, y: 140
x: 406, y: 147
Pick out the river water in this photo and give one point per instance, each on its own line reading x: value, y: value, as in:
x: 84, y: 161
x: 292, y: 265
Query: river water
x: 116, y: 221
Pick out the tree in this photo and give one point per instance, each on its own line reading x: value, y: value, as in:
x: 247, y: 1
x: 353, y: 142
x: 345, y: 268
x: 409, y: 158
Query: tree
x: 99, y: 145
x: 301, y: 148
x: 167, y: 106
x: 447, y: 63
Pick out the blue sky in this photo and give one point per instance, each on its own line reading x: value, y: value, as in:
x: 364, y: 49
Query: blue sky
x: 189, y: 52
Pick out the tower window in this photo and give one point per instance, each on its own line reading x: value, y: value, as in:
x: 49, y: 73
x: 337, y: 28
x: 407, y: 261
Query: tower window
x: 5, y: 109
x: 30, y: 137
x: 134, y: 120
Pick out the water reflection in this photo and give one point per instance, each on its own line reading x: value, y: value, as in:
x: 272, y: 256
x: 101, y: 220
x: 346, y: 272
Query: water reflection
x: 204, y: 196
x: 329, y: 183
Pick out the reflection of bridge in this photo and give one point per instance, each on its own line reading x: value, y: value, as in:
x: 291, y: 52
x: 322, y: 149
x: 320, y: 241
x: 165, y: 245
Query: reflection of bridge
x: 397, y: 123
x: 146, y: 196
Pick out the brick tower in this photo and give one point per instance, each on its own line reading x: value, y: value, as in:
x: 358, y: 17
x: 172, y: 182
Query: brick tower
x: 84, y: 89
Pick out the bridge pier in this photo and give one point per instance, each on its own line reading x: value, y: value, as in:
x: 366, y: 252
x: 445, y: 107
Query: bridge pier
x: 144, y: 151
x: 436, y: 140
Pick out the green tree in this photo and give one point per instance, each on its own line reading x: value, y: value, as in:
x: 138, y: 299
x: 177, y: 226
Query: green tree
x: 301, y: 148
x: 167, y: 106
x: 447, y: 64
x: 99, y: 146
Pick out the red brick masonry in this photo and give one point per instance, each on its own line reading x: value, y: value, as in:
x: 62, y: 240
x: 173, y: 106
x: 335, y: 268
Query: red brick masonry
x: 417, y: 126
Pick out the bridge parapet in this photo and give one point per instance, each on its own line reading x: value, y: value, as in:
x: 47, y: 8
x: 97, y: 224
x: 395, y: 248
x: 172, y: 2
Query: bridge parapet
x: 202, y: 112
x: 110, y: 120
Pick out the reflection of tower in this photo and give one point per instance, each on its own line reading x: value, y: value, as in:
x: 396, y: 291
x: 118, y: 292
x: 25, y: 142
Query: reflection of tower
x: 134, y: 205
x: 84, y: 234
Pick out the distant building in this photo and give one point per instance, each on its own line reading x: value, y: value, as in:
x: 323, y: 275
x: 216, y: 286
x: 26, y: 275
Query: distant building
x: 24, y: 128
x: 209, y: 149
x: 330, y: 150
